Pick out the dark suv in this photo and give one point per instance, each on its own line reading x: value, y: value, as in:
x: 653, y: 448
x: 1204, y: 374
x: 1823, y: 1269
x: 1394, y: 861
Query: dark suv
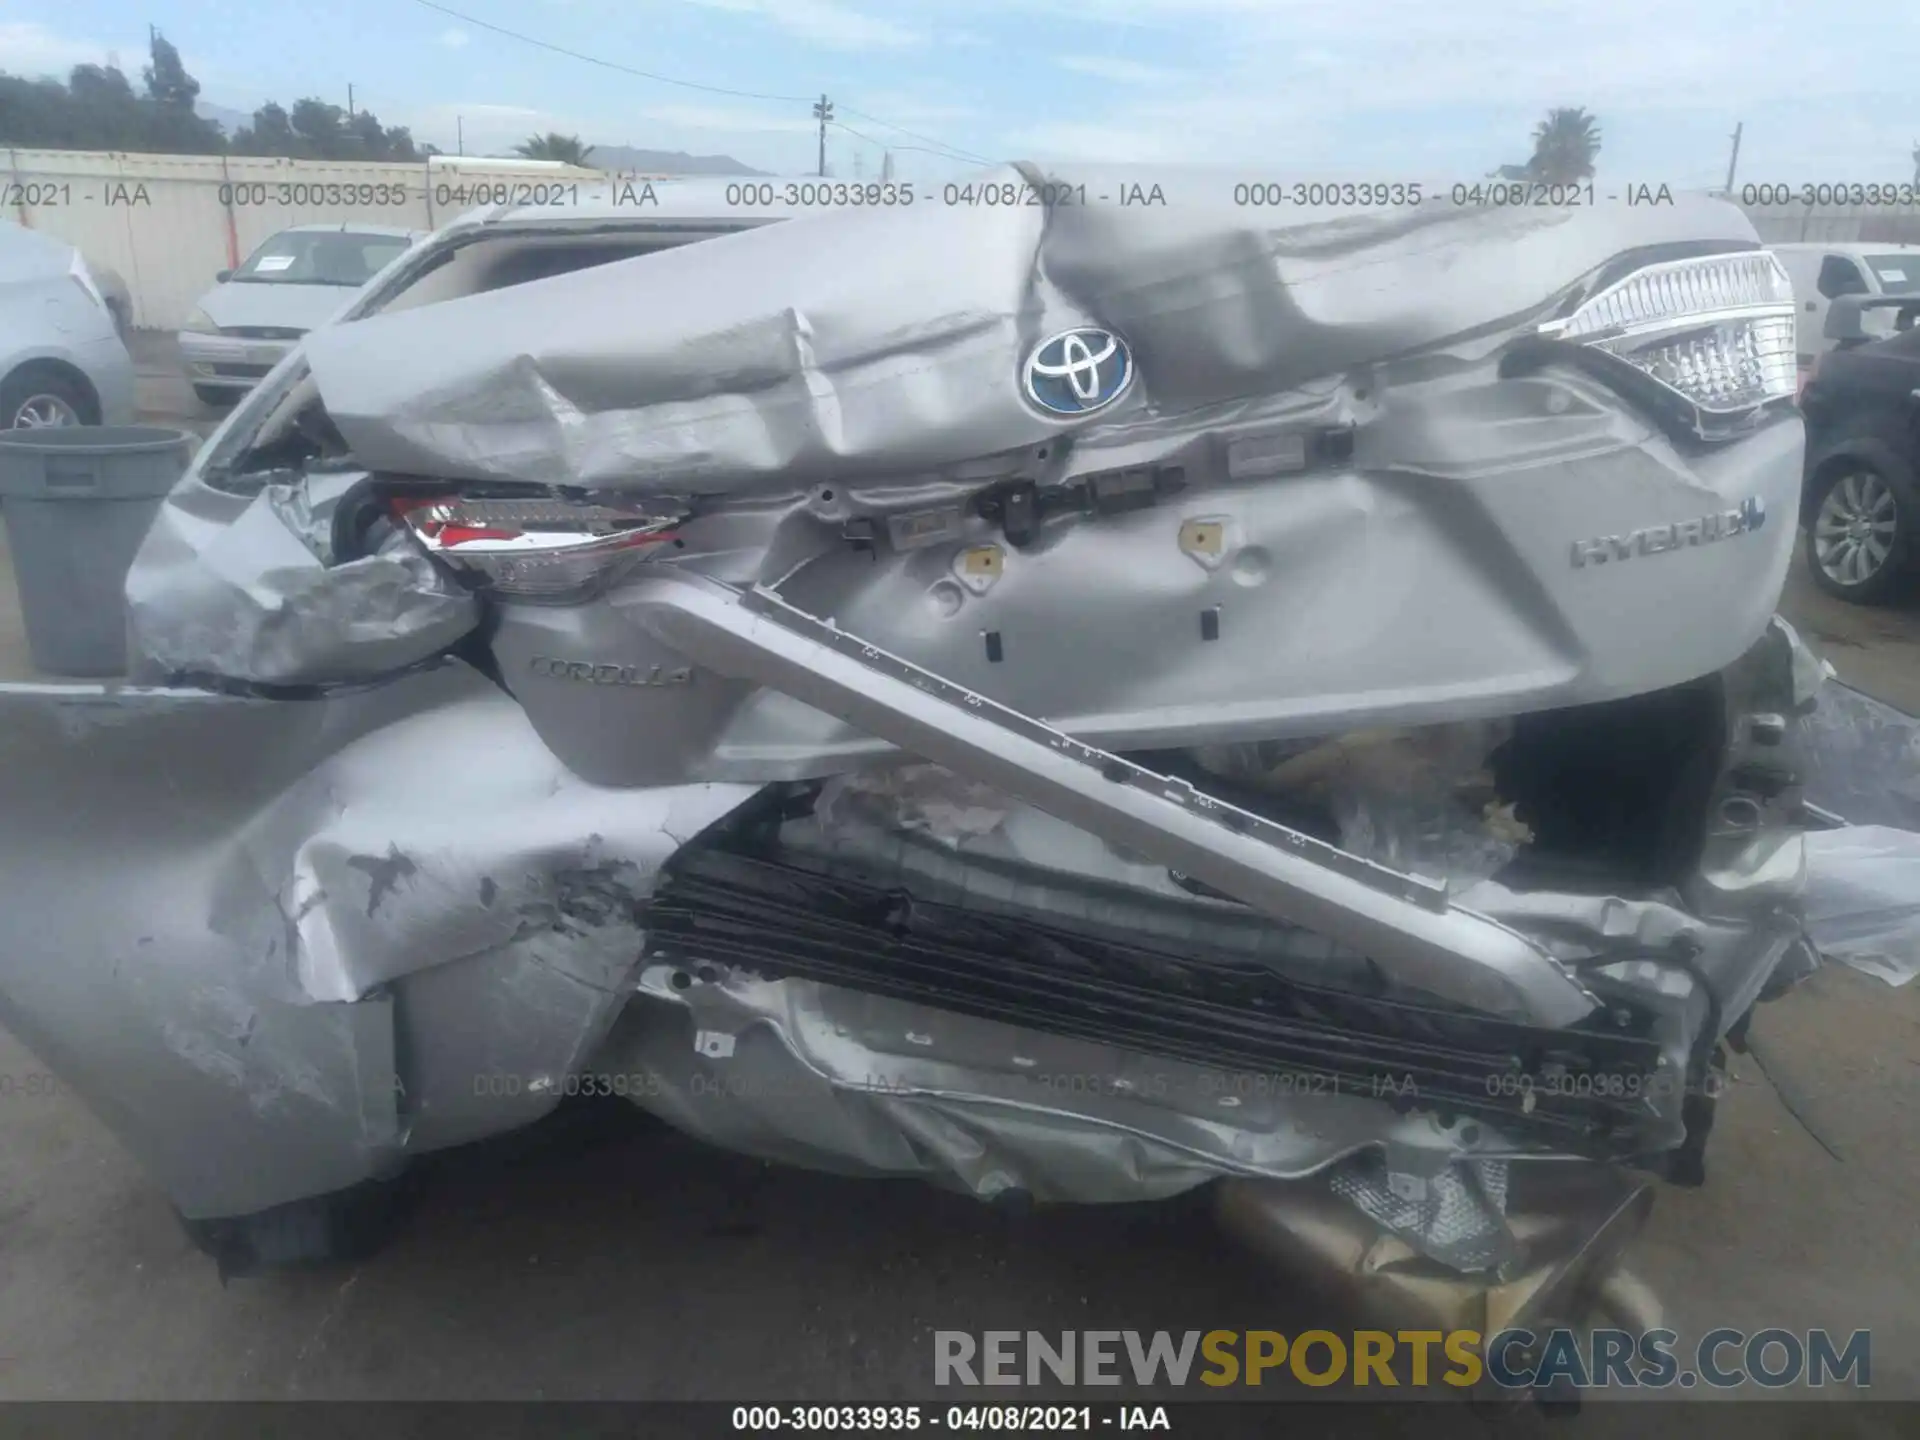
x: 1861, y: 500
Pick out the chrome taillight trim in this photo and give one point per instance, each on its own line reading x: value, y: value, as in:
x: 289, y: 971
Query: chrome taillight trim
x: 1724, y: 323
x: 550, y: 549
x: 1610, y: 313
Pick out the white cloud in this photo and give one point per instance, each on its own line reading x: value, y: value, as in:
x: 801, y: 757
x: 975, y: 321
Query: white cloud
x: 453, y: 37
x: 1126, y: 72
x: 826, y: 23
x: 29, y: 48
x: 482, y: 110
x: 1401, y: 86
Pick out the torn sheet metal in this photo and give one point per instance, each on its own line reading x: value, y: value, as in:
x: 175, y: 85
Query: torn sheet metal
x: 887, y: 343
x: 1322, y: 503
x: 273, y: 944
x: 246, y: 589
x: 450, y: 834
x: 1863, y: 899
x: 829, y: 1078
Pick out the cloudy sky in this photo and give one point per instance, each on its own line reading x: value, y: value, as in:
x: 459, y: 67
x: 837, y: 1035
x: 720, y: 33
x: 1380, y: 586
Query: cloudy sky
x: 1372, y: 89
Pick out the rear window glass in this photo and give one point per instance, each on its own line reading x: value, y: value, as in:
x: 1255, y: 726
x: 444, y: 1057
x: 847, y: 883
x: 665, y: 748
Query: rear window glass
x: 320, y: 257
x: 1897, y: 274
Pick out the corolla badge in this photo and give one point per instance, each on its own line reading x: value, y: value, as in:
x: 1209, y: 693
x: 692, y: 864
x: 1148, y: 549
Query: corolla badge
x: 588, y: 673
x: 1078, y: 371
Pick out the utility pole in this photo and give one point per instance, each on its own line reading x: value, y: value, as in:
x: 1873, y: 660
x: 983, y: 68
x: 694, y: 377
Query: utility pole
x: 349, y: 102
x: 859, y: 166
x: 823, y: 112
x: 1733, y: 161
x: 886, y: 166
x: 459, y: 135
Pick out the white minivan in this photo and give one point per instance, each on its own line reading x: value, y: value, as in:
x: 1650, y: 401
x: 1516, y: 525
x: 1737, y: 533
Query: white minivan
x: 1822, y: 273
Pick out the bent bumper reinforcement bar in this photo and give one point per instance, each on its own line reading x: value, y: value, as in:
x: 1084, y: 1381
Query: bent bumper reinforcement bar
x: 1404, y: 923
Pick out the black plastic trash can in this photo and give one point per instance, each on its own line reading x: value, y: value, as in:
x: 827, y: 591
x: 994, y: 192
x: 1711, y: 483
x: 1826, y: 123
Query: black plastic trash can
x: 77, y: 502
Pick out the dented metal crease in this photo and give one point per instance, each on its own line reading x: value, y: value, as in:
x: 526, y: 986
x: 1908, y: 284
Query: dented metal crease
x: 862, y: 344
x: 418, y: 851
x: 246, y: 588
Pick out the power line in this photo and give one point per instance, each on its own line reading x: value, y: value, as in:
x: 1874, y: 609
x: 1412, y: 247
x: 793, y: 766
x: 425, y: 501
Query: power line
x: 466, y: 19
x: 914, y: 149
x: 944, y: 149
x: 915, y: 134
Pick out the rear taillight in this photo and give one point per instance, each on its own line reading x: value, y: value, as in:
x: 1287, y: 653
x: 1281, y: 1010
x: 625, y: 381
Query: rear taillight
x: 550, y: 550
x: 1715, y: 330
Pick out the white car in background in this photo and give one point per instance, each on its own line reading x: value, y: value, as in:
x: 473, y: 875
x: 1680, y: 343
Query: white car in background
x: 62, y: 361
x: 1826, y: 271
x: 298, y: 280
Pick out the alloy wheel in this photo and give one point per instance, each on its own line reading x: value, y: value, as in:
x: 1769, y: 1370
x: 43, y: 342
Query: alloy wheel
x: 1853, y: 532
x: 44, y: 412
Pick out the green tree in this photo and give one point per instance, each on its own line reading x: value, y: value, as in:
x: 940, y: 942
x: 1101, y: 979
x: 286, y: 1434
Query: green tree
x: 171, y: 126
x: 567, y: 149
x: 104, y: 113
x: 97, y: 109
x: 271, y: 133
x: 168, y: 83
x: 367, y: 138
x: 35, y: 113
x: 1564, y: 147
x: 320, y: 129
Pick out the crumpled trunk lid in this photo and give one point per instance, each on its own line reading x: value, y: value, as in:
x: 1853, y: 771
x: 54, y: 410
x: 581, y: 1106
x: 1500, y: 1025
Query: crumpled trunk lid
x: 870, y: 344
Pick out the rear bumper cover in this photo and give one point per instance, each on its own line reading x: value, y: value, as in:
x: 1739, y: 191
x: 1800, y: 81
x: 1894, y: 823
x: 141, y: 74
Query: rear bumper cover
x: 280, y: 946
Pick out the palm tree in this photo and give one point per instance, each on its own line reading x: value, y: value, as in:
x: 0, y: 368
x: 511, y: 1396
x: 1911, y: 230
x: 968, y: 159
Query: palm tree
x: 1564, y: 145
x: 565, y: 148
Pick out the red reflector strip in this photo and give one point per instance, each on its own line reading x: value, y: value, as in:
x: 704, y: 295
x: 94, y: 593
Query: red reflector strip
x: 449, y: 534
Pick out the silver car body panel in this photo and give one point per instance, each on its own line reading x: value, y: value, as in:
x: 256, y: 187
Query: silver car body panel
x: 281, y: 944
x: 45, y: 315
x: 886, y: 344
x: 837, y: 1080
x: 1403, y: 923
x: 1426, y: 577
x: 245, y: 586
x: 289, y: 936
x: 296, y: 942
x: 1355, y: 596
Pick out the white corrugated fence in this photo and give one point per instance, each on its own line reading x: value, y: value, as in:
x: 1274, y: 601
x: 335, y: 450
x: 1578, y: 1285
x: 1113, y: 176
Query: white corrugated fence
x: 168, y: 223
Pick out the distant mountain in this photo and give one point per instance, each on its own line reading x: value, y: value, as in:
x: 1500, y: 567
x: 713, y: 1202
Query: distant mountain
x: 227, y: 120
x: 666, y: 162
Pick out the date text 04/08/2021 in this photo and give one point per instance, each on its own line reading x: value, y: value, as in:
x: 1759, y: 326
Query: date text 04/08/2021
x: 959, y: 1419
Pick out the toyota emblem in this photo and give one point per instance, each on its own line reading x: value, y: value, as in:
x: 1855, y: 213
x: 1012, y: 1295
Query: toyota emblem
x: 1078, y: 371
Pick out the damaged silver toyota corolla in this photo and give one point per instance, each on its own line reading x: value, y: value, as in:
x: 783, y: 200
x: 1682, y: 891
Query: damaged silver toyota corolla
x: 1078, y: 701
